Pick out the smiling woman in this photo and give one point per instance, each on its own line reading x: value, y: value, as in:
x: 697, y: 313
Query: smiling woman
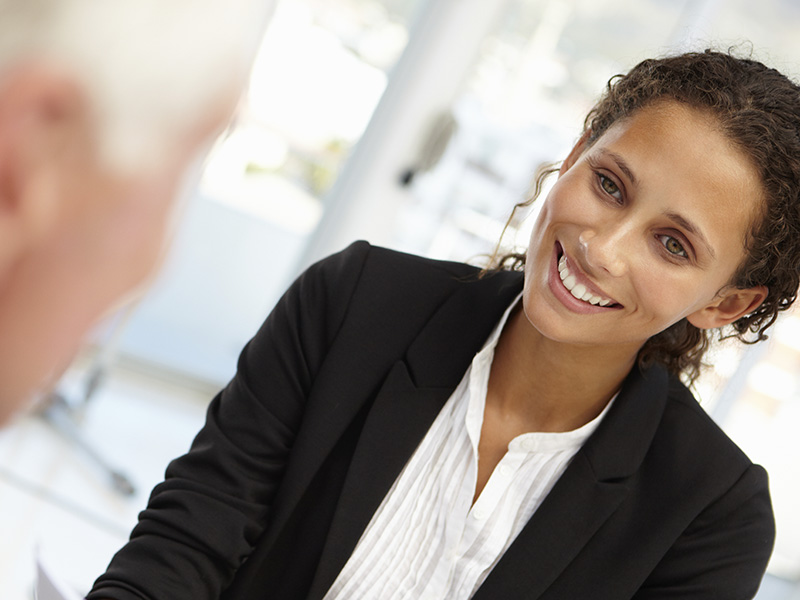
x: 626, y: 221
x: 404, y: 428
x: 740, y: 125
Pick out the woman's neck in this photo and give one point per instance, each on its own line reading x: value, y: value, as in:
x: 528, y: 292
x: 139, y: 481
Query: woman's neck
x: 542, y: 385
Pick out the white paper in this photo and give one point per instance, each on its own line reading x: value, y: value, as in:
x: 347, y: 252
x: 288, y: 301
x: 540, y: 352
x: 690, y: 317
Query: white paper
x: 49, y: 586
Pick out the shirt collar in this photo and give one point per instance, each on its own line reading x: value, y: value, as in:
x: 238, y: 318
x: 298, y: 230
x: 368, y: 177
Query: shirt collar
x: 478, y: 376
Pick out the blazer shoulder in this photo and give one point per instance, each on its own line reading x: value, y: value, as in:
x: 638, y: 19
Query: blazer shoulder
x: 697, y: 442
x: 379, y: 257
x: 370, y: 285
x: 421, y: 310
x: 394, y: 269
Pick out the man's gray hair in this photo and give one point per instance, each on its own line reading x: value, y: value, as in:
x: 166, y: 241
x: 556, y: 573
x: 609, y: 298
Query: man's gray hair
x: 150, y: 68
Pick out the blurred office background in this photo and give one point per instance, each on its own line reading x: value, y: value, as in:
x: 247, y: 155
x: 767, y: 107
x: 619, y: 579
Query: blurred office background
x: 415, y: 124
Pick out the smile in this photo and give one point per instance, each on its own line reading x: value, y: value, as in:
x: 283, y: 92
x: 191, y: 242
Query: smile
x: 578, y: 290
x: 574, y: 288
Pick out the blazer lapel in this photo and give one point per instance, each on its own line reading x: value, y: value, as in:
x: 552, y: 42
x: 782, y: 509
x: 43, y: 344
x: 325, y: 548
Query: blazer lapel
x: 573, y: 511
x: 405, y: 407
x: 396, y: 424
x: 586, y: 495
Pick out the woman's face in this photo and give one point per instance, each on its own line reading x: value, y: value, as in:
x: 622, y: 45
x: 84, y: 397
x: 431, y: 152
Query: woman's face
x: 646, y: 226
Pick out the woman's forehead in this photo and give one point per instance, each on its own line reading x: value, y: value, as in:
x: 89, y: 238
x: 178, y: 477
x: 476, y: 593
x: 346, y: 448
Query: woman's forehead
x: 672, y: 142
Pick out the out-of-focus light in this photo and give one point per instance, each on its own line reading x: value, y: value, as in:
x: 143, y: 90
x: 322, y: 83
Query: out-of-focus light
x: 787, y: 331
x: 306, y: 84
x: 773, y: 381
x: 244, y: 148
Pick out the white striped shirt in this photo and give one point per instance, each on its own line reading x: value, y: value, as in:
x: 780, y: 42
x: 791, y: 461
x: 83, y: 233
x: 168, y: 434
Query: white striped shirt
x: 427, y: 540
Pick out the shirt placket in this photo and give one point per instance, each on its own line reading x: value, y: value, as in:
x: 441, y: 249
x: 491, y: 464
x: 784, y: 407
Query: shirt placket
x: 438, y: 585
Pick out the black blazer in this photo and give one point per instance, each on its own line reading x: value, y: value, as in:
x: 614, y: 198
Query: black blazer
x: 330, y: 400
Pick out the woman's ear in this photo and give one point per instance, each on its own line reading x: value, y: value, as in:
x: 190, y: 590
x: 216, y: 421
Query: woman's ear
x: 576, y: 152
x: 728, y: 307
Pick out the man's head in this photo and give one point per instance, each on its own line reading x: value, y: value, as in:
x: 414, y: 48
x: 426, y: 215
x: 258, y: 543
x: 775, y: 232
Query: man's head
x: 103, y: 106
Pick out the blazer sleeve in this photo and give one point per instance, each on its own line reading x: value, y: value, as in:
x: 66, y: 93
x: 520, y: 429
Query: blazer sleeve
x: 202, y: 521
x: 724, y: 553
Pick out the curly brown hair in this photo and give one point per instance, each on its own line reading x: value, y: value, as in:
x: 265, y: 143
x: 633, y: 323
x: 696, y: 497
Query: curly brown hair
x: 758, y: 108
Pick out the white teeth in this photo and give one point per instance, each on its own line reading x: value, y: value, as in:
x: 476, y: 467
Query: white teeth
x: 578, y: 290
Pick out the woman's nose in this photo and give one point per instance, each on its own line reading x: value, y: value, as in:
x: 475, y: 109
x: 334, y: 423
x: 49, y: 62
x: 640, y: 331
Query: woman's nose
x: 604, y: 251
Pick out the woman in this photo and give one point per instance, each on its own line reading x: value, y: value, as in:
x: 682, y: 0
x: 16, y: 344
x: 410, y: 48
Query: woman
x: 406, y: 428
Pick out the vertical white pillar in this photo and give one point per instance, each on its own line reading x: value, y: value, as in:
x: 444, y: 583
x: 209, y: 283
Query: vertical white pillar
x: 441, y: 50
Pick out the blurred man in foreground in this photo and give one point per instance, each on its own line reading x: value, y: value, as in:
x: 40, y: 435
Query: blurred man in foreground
x: 104, y: 104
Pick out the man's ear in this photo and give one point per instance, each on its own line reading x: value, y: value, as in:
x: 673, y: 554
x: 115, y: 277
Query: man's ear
x: 728, y: 307
x: 576, y: 152
x: 39, y: 110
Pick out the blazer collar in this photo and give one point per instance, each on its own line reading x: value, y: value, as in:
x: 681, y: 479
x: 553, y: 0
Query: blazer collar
x: 443, y: 350
x: 440, y: 354
x: 586, y: 495
x: 621, y: 441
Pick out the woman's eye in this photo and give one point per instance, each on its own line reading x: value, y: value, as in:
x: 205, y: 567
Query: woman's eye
x: 609, y: 187
x: 673, y: 246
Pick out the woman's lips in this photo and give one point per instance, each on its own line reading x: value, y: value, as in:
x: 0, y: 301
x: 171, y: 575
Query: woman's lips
x: 581, y: 291
x: 574, y: 289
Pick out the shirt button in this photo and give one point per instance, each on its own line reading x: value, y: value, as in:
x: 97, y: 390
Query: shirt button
x: 504, y: 470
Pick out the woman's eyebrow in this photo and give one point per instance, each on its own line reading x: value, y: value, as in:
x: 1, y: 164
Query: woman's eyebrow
x: 678, y: 219
x: 623, y: 166
x: 686, y: 224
